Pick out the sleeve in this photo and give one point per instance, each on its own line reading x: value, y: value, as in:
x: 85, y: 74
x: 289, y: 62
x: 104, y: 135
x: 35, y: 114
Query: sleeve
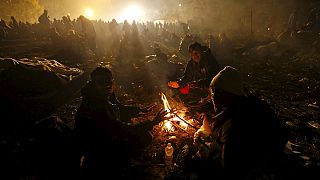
x: 226, y: 139
x: 120, y: 129
x: 204, y: 83
x: 212, y: 67
x: 138, y: 134
x: 187, y: 75
x: 126, y: 111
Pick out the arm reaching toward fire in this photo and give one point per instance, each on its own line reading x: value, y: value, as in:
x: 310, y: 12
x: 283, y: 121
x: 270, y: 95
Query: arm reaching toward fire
x: 149, y: 124
x: 183, y: 89
x: 146, y: 109
x: 160, y: 116
x: 176, y: 85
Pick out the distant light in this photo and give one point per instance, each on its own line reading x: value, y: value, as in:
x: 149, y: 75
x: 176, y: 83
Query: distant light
x: 89, y: 13
x: 180, y: 5
x: 133, y: 12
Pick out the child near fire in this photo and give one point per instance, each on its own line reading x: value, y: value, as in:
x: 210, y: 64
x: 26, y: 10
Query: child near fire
x: 103, y: 136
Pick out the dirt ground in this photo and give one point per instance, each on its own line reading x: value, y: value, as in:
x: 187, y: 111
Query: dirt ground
x: 289, y: 83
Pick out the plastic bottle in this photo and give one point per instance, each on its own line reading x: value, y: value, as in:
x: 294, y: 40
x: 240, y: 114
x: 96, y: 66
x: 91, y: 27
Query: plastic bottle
x: 169, y: 155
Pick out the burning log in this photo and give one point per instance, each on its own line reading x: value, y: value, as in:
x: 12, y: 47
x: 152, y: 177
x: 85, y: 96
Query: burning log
x: 176, y: 116
x: 185, y: 121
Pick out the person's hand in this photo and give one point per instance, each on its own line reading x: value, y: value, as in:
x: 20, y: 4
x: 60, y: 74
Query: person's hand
x: 193, y: 84
x: 199, y: 135
x: 146, y: 109
x: 205, y: 131
x: 161, y: 116
x: 173, y: 84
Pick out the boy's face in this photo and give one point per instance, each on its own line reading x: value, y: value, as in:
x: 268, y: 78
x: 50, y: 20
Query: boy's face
x: 195, y: 55
x: 106, y: 88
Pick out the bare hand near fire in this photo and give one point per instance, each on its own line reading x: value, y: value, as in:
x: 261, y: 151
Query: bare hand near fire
x: 202, y: 117
x: 205, y: 130
x: 173, y: 84
x: 147, y: 109
x: 193, y: 84
x: 161, y: 116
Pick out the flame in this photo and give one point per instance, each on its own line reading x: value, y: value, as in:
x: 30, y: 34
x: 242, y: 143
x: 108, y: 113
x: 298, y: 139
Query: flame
x: 167, y: 124
x: 166, y: 104
x: 183, y: 125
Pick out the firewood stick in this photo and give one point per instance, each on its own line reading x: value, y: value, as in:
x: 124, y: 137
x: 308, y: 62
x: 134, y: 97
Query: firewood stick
x: 175, y: 125
x: 185, y: 121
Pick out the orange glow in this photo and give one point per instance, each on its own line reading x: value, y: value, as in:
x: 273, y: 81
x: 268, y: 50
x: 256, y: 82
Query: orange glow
x: 176, y: 117
x: 166, y: 104
x: 183, y: 125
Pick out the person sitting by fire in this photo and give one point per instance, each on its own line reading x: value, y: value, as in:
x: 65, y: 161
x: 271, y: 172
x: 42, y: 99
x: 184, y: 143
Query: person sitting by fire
x: 160, y: 55
x: 198, y: 73
x: 101, y: 133
x: 243, y: 137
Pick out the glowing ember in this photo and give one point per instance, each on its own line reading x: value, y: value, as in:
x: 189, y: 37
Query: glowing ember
x: 183, y: 125
x: 168, y: 126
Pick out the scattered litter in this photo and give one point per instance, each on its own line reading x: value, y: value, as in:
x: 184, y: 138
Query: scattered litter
x: 314, y: 124
x: 305, y: 158
x: 303, y: 80
x: 296, y: 152
x: 313, y: 105
x: 290, y: 144
x: 289, y: 123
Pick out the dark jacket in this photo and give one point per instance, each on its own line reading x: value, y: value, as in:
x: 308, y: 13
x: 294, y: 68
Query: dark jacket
x: 249, y: 135
x: 100, y: 129
x: 202, y: 72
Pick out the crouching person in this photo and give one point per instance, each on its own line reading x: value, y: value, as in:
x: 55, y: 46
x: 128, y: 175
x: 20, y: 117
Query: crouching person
x: 245, y: 138
x: 107, y: 141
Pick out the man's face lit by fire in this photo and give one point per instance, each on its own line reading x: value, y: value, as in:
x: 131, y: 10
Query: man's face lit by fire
x: 195, y: 55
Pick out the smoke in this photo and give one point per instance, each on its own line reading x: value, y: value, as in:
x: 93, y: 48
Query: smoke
x: 22, y: 10
x: 229, y: 16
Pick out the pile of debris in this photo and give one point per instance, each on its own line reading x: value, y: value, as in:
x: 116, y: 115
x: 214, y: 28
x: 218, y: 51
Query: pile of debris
x: 32, y: 89
x: 38, y: 63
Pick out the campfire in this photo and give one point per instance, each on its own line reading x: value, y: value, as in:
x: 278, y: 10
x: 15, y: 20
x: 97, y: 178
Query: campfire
x: 177, y: 119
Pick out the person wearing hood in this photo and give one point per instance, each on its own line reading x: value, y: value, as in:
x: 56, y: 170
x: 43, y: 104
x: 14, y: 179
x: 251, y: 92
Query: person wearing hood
x: 244, y: 136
